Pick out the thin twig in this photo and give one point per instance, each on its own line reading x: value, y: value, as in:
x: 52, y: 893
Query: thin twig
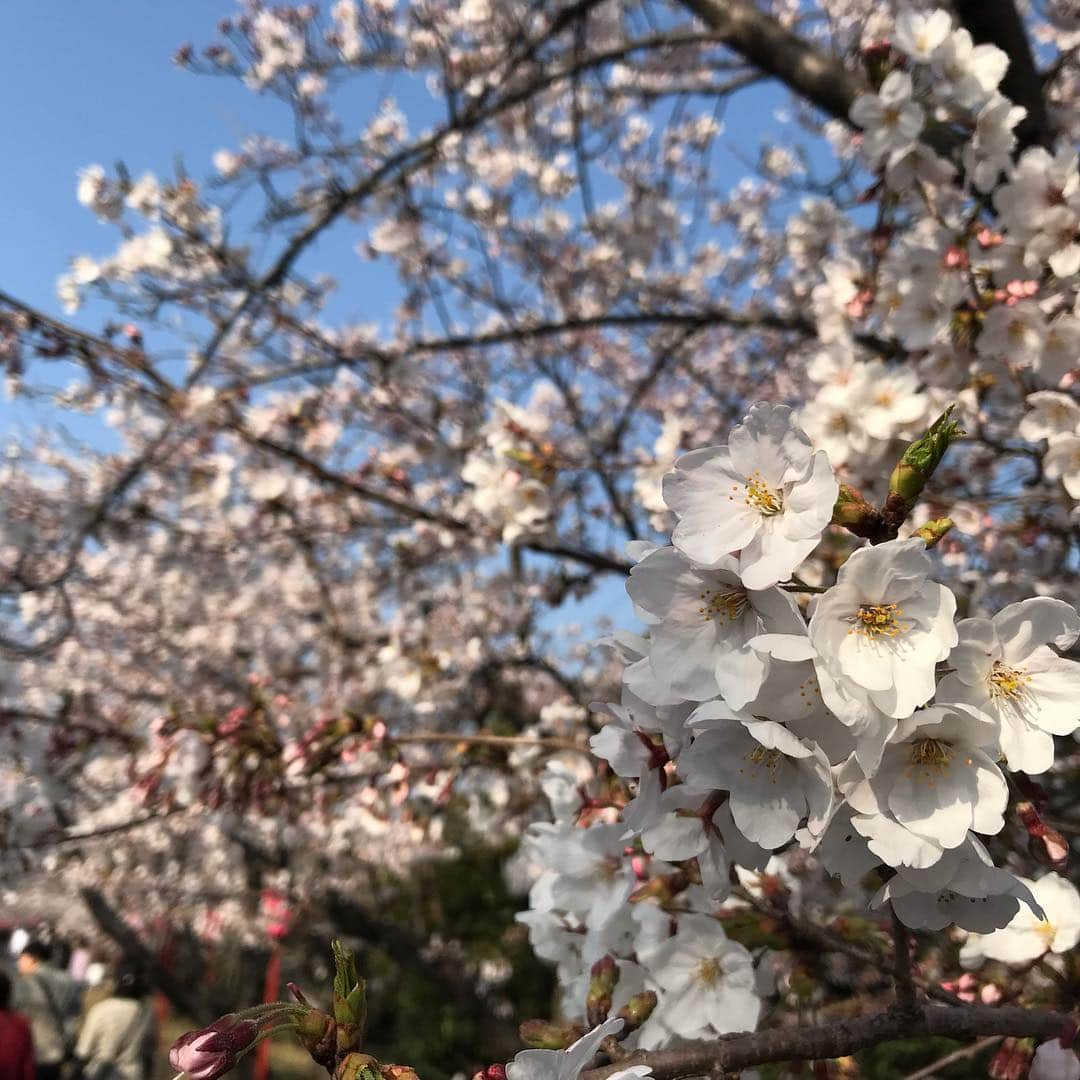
x: 962, y: 1054
x: 490, y: 740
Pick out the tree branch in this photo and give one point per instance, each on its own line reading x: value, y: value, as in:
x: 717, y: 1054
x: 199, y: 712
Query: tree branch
x: 997, y: 22
x: 905, y: 985
x: 187, y: 999
x: 838, y: 1039
x: 799, y: 64
x: 764, y: 42
x: 507, y: 741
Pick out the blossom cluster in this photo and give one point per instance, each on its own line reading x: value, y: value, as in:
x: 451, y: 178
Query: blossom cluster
x: 305, y: 540
x: 869, y: 728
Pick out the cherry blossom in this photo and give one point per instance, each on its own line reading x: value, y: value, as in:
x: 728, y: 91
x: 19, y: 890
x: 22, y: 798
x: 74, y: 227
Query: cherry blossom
x: 780, y: 498
x: 881, y: 629
x: 1005, y: 668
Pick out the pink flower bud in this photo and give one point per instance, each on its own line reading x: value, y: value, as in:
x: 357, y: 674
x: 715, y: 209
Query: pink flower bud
x: 212, y: 1052
x: 956, y: 257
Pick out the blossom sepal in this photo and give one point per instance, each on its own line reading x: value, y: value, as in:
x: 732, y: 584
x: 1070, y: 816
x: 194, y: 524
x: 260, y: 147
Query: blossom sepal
x: 317, y: 1033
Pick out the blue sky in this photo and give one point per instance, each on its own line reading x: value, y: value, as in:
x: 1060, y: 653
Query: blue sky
x: 94, y: 82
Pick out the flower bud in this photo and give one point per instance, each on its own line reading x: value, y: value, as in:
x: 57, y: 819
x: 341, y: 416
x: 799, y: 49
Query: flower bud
x: 398, y: 1072
x: 855, y: 514
x: 637, y: 1010
x: 213, y: 1051
x: 1011, y: 1060
x: 602, y: 982
x: 915, y: 468
x: 350, y: 1000
x: 544, y: 1035
x: 935, y: 530
x: 317, y: 1033
x: 357, y: 1067
x: 1044, y: 843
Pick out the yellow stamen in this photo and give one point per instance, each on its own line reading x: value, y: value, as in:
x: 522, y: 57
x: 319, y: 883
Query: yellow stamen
x: 765, y: 500
x: 769, y: 759
x: 1007, y: 682
x: 725, y: 606
x: 931, y: 752
x: 709, y: 971
x: 930, y: 760
x: 878, y: 620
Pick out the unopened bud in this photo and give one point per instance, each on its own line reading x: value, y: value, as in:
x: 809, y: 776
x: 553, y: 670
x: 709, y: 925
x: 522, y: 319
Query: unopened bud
x: 492, y: 1072
x: 855, y: 514
x: 1012, y: 1059
x: 357, y: 1067
x: 544, y: 1035
x: 603, y: 978
x: 935, y: 530
x: 215, y: 1050
x: 350, y: 1000
x: 1044, y: 843
x: 915, y: 468
x: 398, y: 1072
x: 637, y: 1010
x: 317, y: 1033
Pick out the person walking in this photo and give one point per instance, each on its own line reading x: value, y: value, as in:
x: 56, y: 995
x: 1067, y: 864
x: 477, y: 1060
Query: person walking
x: 16, y: 1042
x: 119, y: 1034
x: 49, y: 999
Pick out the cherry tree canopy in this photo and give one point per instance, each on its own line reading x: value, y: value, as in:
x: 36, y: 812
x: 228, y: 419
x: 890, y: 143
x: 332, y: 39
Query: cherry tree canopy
x: 307, y: 604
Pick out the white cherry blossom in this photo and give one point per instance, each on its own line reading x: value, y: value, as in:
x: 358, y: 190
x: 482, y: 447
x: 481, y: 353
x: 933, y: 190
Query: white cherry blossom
x: 937, y: 781
x: 1005, y: 667
x: 766, y: 495
x: 566, y: 1064
x: 890, y: 119
x: 1053, y: 927
x: 775, y: 780
x: 703, y: 624
x: 882, y: 628
x: 707, y: 981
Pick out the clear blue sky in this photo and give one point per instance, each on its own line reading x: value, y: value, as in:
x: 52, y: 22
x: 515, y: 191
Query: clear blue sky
x: 93, y: 81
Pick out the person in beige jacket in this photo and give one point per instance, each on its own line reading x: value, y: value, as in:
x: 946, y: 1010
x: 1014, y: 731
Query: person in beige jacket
x: 119, y: 1034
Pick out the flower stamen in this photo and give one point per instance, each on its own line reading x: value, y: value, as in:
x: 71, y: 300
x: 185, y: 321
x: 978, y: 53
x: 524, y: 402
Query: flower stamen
x: 726, y: 605
x: 710, y: 970
x: 931, y: 758
x: 1006, y: 682
x: 878, y: 620
x: 767, y: 501
x: 770, y: 759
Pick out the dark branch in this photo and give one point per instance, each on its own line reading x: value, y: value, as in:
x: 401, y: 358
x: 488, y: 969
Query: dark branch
x: 814, y: 75
x: 839, y: 1039
x: 997, y: 22
x: 188, y: 1000
x: 819, y: 78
